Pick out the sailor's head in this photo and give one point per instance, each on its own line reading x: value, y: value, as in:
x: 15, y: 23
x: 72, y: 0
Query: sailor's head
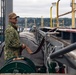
x: 13, y: 15
x: 13, y: 18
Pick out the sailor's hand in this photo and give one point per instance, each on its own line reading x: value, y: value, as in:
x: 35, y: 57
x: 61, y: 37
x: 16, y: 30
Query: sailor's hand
x: 23, y: 46
x: 28, y: 50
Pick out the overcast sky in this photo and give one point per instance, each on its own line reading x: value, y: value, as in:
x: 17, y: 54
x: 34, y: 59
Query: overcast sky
x: 38, y: 8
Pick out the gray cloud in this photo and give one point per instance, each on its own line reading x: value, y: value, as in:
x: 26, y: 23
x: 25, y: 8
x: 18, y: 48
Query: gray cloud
x: 38, y: 8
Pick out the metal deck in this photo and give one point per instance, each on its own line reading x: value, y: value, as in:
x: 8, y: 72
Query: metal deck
x: 33, y: 74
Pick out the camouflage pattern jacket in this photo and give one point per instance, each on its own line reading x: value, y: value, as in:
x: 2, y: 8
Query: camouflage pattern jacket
x: 12, y: 42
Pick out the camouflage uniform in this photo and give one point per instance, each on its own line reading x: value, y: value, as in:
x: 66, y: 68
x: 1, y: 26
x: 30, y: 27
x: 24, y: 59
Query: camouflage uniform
x: 12, y: 42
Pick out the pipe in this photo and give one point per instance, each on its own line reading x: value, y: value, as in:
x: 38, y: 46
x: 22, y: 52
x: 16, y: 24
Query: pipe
x: 63, y: 51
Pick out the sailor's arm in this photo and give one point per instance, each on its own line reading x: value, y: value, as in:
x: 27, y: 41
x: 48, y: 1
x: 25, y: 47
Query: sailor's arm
x: 27, y: 48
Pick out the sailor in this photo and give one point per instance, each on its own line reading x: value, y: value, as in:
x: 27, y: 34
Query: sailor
x: 13, y: 47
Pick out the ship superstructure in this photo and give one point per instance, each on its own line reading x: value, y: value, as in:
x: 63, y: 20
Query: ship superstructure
x: 54, y: 47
